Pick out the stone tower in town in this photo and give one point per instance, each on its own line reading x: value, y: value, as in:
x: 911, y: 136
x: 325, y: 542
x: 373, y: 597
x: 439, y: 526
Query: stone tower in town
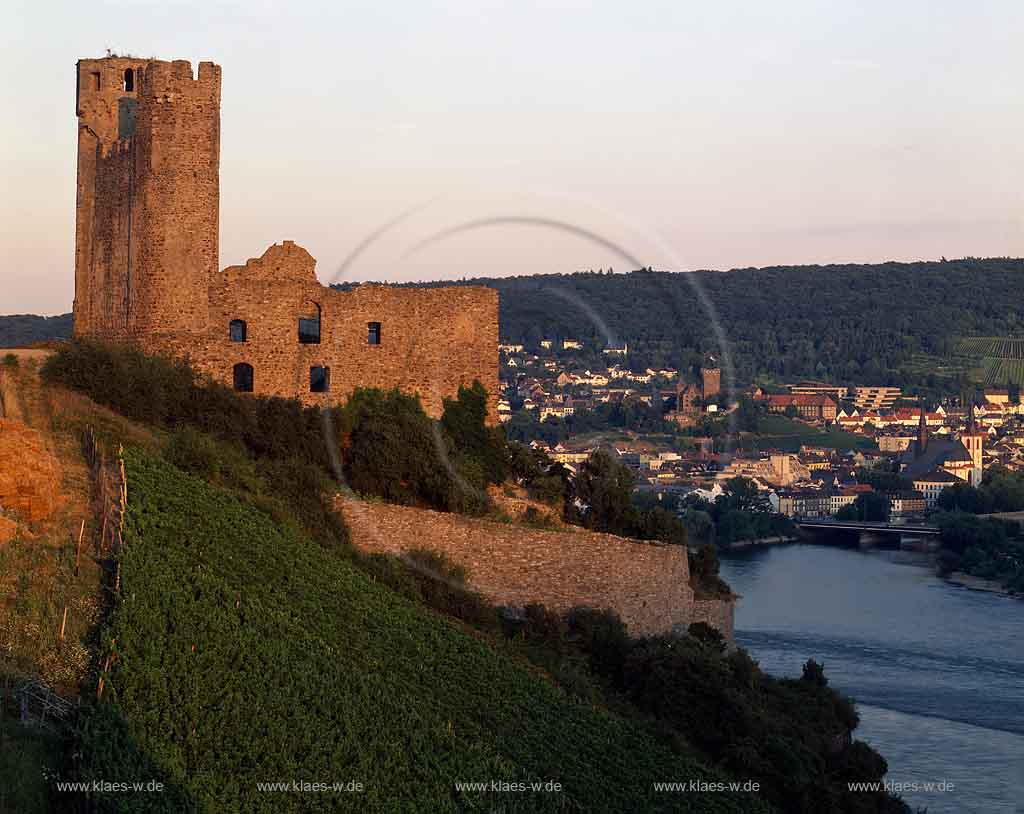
x: 147, y: 219
x: 973, y: 440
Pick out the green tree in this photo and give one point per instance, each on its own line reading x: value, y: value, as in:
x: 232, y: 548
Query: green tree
x: 747, y: 415
x: 962, y: 497
x: 742, y: 494
x: 605, y: 487
x: 872, y: 507
x: 465, y: 422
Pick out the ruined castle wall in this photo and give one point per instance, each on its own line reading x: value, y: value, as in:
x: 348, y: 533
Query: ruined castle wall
x: 646, y: 584
x: 431, y: 342
x: 147, y: 252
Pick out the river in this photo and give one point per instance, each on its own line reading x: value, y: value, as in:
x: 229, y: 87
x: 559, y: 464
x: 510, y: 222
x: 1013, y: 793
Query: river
x: 937, y: 670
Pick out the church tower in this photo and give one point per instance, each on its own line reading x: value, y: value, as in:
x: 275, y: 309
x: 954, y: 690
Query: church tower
x: 922, y: 432
x: 148, y: 205
x: 973, y: 440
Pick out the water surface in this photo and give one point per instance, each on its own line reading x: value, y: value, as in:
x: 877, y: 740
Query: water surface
x: 937, y: 670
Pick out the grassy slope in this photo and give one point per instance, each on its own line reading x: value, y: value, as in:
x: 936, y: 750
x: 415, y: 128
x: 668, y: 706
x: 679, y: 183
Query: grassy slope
x: 37, y: 579
x: 788, y: 435
x: 249, y: 655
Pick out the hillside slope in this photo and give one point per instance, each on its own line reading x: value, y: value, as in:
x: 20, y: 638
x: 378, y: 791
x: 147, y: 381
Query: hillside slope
x: 18, y: 330
x: 245, y: 654
x: 886, y: 323
x: 883, y: 323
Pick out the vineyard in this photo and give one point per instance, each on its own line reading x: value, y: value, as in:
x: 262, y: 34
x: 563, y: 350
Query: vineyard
x: 1001, y: 371
x: 995, y: 346
x: 245, y: 654
x: 995, y: 360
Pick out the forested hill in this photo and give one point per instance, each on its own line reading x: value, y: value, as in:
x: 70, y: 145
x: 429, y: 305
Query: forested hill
x: 874, y: 324
x: 892, y: 323
x: 19, y: 330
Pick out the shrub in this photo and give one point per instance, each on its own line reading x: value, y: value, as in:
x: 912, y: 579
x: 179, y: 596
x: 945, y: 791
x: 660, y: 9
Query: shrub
x: 464, y: 422
x: 10, y: 360
x: 703, y: 632
x: 602, y: 635
x: 391, y: 449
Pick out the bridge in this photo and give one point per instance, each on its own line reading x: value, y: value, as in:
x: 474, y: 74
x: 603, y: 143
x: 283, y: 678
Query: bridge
x: 869, y: 533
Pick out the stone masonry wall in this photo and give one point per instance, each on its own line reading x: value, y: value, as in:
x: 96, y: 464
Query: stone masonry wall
x: 147, y: 251
x: 719, y: 613
x: 646, y: 584
x: 431, y: 340
x: 148, y: 195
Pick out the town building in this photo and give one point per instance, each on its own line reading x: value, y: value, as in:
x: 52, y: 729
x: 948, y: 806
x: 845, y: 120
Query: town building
x: 808, y: 407
x: 875, y: 398
x: 710, y: 382
x: 931, y: 484
x: 960, y: 457
x: 905, y: 504
x: 834, y: 391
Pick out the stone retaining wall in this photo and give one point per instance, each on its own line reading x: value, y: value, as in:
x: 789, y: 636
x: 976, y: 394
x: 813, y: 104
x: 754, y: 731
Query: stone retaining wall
x: 647, y: 584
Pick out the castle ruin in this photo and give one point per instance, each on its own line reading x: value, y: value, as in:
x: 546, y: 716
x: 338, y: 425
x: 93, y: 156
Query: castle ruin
x: 146, y: 263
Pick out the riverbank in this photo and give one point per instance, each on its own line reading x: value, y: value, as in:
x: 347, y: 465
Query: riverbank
x: 760, y: 541
x: 936, y: 669
x: 980, y: 584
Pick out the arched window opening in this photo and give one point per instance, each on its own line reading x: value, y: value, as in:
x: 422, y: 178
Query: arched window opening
x: 319, y: 379
x: 129, y: 80
x: 373, y: 333
x: 237, y: 330
x: 309, y: 324
x: 243, y: 377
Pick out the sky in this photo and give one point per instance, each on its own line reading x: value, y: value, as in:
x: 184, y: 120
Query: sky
x: 688, y: 135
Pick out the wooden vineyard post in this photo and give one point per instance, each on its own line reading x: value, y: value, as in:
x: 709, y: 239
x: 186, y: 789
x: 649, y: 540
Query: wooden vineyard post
x: 103, y: 674
x: 78, y: 547
x: 64, y: 623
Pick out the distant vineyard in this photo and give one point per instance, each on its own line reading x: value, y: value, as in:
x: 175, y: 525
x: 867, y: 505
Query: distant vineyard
x: 999, y: 347
x: 1003, y: 371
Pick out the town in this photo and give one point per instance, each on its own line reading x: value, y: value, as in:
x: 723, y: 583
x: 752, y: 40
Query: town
x: 810, y: 448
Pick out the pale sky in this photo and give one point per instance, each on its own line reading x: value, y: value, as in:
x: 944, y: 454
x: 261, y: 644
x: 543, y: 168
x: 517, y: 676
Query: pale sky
x: 695, y: 135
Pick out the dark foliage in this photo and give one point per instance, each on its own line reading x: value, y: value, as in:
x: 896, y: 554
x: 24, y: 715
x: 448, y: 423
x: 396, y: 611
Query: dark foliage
x: 793, y: 736
x: 269, y: 448
x: 866, y: 325
x: 982, y: 547
x: 1001, y: 491
x: 704, y: 569
x: 604, y: 487
x: 870, y: 506
x: 464, y: 422
x: 19, y: 330
x: 741, y: 513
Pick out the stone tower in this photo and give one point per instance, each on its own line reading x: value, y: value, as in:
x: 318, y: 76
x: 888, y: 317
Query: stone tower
x: 711, y: 381
x: 922, y: 432
x: 147, y: 219
x: 973, y: 440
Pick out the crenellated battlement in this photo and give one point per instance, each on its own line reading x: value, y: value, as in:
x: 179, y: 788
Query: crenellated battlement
x: 175, y: 79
